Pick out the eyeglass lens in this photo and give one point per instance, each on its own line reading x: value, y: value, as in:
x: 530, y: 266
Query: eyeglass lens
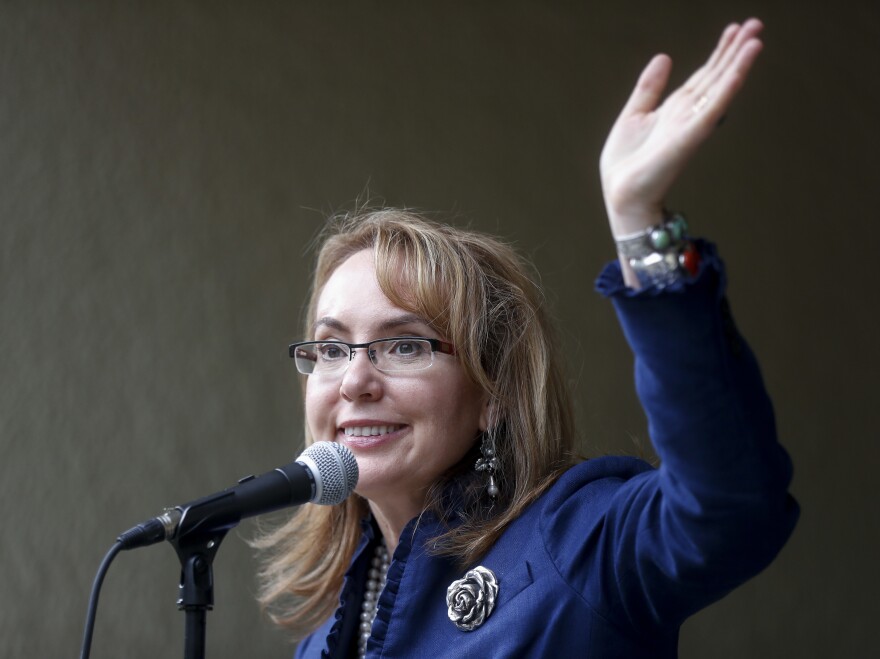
x: 389, y: 356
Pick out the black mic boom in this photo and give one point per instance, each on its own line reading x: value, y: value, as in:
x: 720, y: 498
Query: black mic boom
x: 326, y: 473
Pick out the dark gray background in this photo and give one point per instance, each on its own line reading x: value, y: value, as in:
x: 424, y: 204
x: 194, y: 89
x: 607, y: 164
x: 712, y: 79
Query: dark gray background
x: 164, y: 165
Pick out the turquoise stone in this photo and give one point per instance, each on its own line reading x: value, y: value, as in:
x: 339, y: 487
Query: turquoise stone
x: 660, y: 238
x: 678, y: 227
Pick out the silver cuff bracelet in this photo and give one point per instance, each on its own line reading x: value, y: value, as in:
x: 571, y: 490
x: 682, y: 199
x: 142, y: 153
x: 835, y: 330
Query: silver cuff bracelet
x: 662, y: 254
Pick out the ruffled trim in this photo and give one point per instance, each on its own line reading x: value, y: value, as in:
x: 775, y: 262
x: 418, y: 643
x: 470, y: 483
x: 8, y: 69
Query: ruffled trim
x: 351, y: 588
x: 392, y: 588
x: 610, y: 281
x: 424, y: 524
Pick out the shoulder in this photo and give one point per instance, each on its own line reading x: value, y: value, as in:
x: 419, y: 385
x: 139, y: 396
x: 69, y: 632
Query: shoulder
x: 595, y: 479
x: 568, y: 538
x: 591, y: 496
x: 584, y: 496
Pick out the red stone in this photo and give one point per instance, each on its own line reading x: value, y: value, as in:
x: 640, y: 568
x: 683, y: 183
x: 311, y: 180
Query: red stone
x: 690, y: 260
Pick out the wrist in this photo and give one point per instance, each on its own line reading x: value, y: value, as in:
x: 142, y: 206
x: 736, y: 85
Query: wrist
x: 626, y: 218
x: 627, y: 224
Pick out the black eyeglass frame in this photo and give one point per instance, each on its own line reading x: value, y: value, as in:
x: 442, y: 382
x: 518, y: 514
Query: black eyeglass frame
x: 443, y: 347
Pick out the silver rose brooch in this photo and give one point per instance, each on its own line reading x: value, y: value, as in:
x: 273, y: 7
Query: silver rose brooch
x: 471, y: 600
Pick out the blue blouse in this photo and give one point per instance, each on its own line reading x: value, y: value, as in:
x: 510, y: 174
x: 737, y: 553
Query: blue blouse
x: 613, y: 558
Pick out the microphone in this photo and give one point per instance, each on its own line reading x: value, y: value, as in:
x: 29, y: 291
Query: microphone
x: 326, y: 473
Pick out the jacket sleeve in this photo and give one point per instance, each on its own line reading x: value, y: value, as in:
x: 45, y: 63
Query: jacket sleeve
x: 717, y: 511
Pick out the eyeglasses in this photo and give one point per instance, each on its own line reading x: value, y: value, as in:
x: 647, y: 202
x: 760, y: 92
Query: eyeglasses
x: 393, y: 355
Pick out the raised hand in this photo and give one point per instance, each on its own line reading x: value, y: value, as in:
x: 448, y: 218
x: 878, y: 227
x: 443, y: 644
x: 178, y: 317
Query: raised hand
x: 651, y: 142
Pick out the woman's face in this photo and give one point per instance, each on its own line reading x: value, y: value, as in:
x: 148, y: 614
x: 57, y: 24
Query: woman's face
x: 405, y: 429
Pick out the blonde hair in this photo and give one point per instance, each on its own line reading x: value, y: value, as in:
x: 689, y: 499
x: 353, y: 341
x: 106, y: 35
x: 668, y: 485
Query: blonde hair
x: 478, y: 293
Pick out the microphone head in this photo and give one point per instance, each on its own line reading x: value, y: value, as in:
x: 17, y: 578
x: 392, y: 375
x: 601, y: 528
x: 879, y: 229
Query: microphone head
x: 335, y: 471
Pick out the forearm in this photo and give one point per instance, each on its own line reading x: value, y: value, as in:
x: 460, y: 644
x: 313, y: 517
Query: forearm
x: 698, y: 381
x: 717, y: 510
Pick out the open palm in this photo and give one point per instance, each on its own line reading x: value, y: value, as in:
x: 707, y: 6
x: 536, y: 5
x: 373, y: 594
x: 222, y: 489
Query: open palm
x: 651, y: 142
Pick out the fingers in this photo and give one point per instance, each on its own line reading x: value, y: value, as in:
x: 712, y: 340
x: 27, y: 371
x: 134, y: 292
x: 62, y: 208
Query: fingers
x: 712, y: 88
x: 733, y: 76
x: 731, y: 42
x: 649, y: 88
x: 719, y: 78
x: 725, y: 56
x: 723, y: 45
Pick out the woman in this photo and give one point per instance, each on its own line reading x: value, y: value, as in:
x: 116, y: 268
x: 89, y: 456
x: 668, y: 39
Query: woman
x: 474, y: 531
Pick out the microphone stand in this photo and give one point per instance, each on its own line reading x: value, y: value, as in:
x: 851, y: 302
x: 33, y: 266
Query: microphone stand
x: 196, y: 529
x: 196, y: 551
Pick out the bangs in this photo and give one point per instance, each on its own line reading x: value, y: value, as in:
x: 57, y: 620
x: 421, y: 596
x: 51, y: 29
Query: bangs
x: 460, y: 283
x: 415, y: 276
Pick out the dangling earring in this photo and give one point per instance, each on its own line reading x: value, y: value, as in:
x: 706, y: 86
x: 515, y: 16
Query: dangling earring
x: 489, y: 463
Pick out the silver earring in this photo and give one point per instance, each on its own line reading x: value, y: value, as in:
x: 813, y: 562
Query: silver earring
x: 489, y: 463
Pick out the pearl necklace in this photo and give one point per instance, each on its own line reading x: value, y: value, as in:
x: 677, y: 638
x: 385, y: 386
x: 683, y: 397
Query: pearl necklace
x: 375, y: 583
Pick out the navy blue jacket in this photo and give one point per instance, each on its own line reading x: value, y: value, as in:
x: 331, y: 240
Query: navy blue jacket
x: 613, y: 558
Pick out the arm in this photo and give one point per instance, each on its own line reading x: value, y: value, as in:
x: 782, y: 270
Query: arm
x: 651, y: 142
x: 717, y: 510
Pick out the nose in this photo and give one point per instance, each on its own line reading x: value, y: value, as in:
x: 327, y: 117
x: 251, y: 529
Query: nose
x: 361, y: 380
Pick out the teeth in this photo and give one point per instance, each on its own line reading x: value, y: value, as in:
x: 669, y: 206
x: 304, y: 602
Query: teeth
x: 370, y: 431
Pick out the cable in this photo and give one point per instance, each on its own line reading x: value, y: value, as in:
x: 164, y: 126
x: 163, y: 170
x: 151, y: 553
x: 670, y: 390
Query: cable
x: 93, y: 599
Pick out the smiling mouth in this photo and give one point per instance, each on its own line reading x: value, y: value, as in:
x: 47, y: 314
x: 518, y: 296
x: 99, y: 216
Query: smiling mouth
x: 370, y: 431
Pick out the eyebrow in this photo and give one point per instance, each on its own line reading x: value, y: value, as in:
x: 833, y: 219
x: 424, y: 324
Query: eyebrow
x: 391, y: 323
